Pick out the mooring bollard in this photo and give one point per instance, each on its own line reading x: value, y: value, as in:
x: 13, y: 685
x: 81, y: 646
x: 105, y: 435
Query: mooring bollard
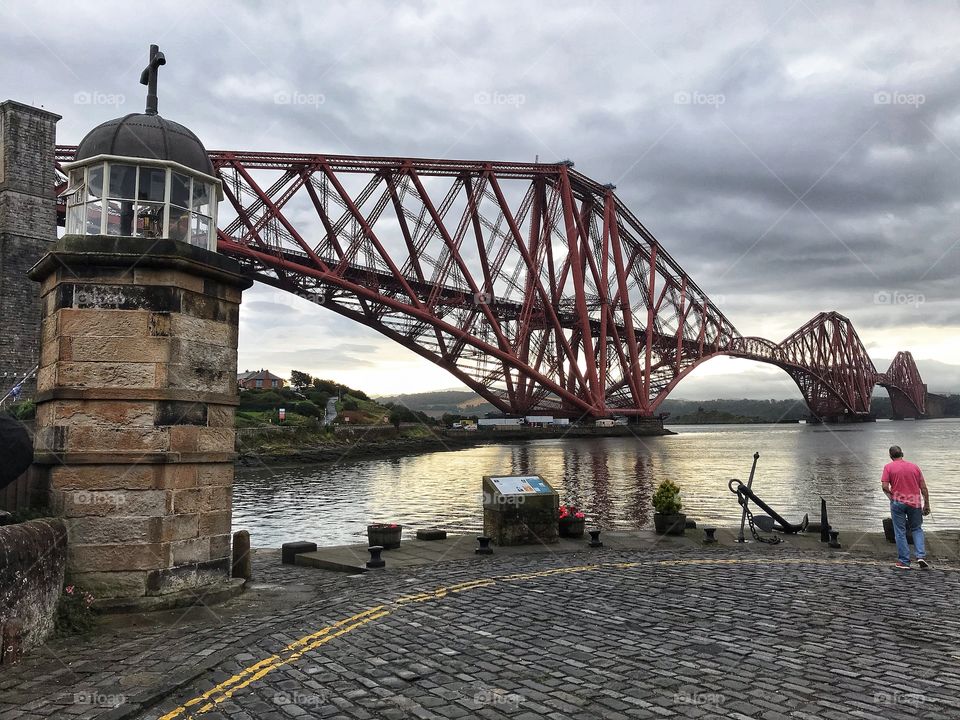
x: 834, y: 542
x: 241, y: 555
x: 484, y: 548
x: 595, y: 539
x: 824, y: 521
x: 708, y: 537
x: 375, y: 560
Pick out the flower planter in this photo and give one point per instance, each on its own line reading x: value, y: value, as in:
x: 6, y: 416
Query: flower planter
x: 572, y: 527
x: 673, y: 524
x: 386, y: 536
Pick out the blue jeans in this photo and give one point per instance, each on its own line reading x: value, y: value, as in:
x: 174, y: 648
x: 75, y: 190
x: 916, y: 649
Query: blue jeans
x: 900, y: 513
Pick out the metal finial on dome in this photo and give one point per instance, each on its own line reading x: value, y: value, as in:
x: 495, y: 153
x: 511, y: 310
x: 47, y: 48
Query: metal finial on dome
x: 149, y: 78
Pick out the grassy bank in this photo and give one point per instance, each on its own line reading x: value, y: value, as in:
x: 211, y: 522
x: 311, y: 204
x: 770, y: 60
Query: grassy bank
x: 307, y: 443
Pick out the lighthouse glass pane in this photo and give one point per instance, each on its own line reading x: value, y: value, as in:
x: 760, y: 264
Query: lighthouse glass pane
x: 75, y: 220
x: 201, y: 197
x: 93, y: 214
x: 120, y: 217
x: 123, y: 181
x: 149, y: 220
x: 74, y: 191
x: 95, y: 182
x: 153, y: 184
x: 179, y: 224
x: 180, y: 190
x: 200, y: 232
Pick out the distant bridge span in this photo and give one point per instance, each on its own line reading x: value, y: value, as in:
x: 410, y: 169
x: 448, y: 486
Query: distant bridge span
x: 531, y: 283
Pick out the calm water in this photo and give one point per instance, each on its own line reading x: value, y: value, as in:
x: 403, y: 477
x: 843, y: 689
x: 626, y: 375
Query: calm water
x: 612, y: 478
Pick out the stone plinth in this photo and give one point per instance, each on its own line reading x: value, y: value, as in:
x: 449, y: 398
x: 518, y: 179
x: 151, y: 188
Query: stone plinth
x: 520, y: 510
x: 136, y: 395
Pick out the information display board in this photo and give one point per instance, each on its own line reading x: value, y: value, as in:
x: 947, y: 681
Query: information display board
x: 519, y: 510
x: 521, y: 485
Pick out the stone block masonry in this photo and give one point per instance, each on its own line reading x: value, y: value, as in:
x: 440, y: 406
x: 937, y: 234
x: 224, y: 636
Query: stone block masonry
x: 28, y: 225
x: 136, y: 394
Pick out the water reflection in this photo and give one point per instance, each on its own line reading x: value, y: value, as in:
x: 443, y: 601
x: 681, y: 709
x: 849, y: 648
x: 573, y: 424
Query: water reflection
x: 611, y: 478
x: 638, y: 503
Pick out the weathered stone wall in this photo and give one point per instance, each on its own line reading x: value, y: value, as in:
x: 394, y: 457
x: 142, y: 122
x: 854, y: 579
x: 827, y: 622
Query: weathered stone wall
x: 33, y: 556
x: 136, y: 395
x: 28, y: 228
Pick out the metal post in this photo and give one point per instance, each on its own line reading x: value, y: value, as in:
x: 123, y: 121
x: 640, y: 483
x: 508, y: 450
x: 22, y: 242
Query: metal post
x: 743, y: 517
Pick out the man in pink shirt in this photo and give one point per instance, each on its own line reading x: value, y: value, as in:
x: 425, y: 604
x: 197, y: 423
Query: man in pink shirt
x: 903, y: 483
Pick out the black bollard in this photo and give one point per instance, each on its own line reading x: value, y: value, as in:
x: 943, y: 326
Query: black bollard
x: 595, y: 539
x: 375, y: 560
x: 484, y: 548
x: 241, y: 555
x: 708, y: 538
x: 834, y: 542
x: 824, y: 523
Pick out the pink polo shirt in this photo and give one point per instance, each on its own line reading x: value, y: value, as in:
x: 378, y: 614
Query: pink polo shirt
x: 905, y: 479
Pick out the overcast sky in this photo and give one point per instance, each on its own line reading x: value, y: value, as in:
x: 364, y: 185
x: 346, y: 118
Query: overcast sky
x: 792, y: 157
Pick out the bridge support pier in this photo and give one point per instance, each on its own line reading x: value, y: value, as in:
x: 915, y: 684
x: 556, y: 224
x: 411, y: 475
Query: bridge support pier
x: 136, y: 395
x: 901, y: 405
x: 840, y: 419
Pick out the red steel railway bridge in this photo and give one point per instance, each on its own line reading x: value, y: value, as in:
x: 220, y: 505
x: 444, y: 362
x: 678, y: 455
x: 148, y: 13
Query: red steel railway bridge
x: 532, y: 284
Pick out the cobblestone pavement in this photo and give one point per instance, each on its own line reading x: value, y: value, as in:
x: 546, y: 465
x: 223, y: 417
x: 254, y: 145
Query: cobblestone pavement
x: 691, y: 634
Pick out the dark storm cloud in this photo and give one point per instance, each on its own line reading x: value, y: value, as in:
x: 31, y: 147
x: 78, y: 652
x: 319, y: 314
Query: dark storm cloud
x: 792, y: 157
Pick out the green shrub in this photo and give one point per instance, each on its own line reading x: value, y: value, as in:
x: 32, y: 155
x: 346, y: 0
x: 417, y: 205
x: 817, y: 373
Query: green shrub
x: 308, y: 409
x: 23, y: 410
x: 261, y: 400
x: 74, y: 612
x: 317, y: 397
x: 666, y: 499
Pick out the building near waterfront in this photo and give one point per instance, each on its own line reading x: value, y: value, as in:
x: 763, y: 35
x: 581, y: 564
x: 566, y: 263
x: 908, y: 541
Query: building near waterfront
x: 260, y: 380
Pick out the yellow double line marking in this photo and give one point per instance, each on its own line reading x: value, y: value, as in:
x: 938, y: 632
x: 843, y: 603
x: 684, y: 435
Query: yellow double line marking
x: 295, y: 650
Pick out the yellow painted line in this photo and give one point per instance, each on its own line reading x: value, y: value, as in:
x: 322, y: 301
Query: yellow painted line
x: 258, y: 670
x: 295, y: 650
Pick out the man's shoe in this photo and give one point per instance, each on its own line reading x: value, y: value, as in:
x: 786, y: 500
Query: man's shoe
x: 924, y: 565
x: 901, y: 566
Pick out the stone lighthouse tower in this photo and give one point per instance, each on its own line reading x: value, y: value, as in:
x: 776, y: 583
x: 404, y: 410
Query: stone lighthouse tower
x: 136, y: 386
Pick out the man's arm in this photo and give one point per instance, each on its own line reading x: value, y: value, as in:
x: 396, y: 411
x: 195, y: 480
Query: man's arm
x: 885, y: 483
x: 926, y: 495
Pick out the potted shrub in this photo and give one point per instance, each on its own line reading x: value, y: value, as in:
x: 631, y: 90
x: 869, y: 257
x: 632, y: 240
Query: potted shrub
x: 572, y: 521
x: 386, y: 535
x: 668, y: 520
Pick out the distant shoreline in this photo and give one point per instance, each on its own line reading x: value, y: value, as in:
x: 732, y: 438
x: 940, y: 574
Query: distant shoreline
x: 362, y: 446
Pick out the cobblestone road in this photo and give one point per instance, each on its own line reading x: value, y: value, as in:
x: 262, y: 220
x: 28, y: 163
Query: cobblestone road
x: 700, y: 634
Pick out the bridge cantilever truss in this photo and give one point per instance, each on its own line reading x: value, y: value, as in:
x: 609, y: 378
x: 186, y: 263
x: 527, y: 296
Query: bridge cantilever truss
x: 531, y: 283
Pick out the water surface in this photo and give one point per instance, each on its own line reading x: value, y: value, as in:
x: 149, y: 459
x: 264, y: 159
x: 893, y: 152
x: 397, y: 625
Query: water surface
x: 611, y: 478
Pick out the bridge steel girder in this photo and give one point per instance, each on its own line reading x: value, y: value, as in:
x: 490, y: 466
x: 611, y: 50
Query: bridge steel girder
x: 531, y: 283
x: 540, y: 316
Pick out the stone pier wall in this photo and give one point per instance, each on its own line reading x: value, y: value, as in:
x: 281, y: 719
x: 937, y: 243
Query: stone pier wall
x: 135, y: 410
